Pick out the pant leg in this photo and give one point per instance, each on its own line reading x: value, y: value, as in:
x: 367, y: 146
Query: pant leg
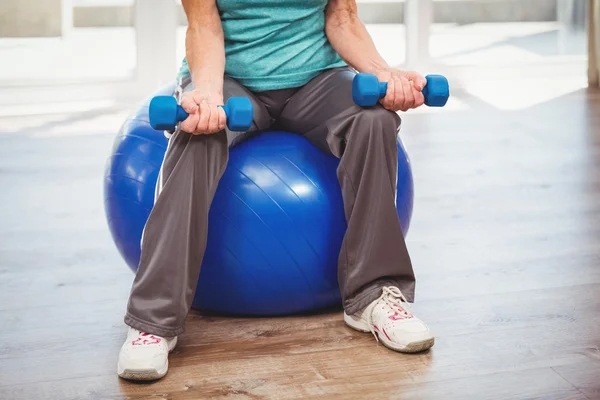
x: 373, y: 252
x: 175, y: 234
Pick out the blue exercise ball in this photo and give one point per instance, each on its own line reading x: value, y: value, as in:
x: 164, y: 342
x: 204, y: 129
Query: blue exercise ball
x: 276, y: 223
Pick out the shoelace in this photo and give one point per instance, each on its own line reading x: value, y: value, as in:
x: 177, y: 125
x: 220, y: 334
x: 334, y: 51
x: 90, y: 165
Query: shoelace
x: 393, y: 298
x: 145, y: 339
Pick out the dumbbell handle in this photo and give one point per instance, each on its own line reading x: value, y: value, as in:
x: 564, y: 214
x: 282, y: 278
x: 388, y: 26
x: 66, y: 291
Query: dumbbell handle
x: 436, y: 92
x: 165, y: 113
x: 181, y: 114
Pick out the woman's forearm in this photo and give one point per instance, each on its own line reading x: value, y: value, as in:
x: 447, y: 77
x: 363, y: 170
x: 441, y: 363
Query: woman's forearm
x: 349, y: 37
x: 205, y: 48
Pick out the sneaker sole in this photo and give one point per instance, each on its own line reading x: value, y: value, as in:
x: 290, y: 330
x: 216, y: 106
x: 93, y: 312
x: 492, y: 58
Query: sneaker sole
x: 412, y: 347
x: 146, y: 374
x: 143, y: 374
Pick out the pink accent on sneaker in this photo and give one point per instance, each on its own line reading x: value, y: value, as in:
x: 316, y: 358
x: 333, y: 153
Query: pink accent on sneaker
x: 151, y: 340
x: 384, y: 332
x: 403, y: 314
x: 398, y: 316
x: 386, y: 335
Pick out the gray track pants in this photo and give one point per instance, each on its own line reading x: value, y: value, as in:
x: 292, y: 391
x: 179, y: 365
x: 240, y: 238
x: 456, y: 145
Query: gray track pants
x: 373, y: 252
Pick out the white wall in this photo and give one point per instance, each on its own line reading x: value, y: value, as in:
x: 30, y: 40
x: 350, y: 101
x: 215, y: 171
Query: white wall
x: 31, y: 18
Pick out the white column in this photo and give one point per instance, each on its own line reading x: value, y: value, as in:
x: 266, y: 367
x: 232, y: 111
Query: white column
x: 67, y: 17
x: 155, y: 24
x: 418, y: 17
x: 594, y: 43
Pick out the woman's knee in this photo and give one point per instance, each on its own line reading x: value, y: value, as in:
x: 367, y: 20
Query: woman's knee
x: 377, y: 123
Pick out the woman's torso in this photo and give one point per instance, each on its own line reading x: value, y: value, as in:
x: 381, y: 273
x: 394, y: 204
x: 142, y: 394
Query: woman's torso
x: 275, y: 44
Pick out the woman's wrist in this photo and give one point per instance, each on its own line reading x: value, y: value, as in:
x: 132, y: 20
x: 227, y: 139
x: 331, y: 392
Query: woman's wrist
x: 210, y: 89
x: 377, y: 67
x: 384, y: 73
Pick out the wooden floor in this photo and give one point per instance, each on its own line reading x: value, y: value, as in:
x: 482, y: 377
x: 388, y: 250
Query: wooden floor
x: 505, y: 240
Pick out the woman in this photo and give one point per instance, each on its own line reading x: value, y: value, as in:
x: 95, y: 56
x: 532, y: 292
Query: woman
x: 295, y: 61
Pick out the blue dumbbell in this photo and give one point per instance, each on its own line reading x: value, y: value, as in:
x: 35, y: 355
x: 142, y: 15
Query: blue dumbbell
x: 165, y: 113
x: 367, y: 90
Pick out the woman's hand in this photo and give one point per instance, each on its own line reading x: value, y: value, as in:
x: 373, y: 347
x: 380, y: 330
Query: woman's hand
x: 205, y: 115
x: 403, y: 90
x: 351, y: 40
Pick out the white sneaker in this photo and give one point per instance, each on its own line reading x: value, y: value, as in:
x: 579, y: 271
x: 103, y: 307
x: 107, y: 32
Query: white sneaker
x: 144, y: 357
x: 392, y: 323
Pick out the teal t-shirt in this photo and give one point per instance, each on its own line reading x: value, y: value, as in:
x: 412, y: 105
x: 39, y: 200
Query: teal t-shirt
x: 274, y: 44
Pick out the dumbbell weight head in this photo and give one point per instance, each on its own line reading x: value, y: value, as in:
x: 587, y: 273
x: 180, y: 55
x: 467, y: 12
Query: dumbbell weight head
x: 239, y: 113
x: 437, y: 91
x: 367, y: 90
x: 165, y: 113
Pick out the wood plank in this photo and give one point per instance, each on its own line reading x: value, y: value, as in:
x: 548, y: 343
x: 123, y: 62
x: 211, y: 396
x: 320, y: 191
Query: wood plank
x: 307, y: 383
x: 584, y: 376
